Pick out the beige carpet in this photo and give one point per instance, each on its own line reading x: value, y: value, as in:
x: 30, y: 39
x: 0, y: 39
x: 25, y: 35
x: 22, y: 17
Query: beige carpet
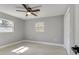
x: 33, y: 49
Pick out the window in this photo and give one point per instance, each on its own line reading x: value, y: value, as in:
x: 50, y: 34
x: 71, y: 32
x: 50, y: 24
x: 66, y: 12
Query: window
x: 6, y: 25
x: 39, y: 27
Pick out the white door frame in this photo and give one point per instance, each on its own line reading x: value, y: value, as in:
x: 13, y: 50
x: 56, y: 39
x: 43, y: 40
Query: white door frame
x: 67, y: 30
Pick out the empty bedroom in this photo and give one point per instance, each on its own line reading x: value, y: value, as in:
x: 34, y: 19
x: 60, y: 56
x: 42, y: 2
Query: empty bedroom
x: 37, y: 29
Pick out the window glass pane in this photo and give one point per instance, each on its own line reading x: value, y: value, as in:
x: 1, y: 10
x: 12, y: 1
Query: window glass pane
x: 39, y: 27
x: 6, y: 25
x: 0, y: 21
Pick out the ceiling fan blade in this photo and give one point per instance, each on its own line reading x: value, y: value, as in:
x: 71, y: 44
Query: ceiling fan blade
x: 36, y: 10
x: 36, y: 7
x: 25, y: 6
x: 33, y: 14
x: 21, y: 10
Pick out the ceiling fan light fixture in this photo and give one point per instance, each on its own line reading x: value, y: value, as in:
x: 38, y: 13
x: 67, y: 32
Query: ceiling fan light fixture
x: 28, y: 13
x: 29, y: 10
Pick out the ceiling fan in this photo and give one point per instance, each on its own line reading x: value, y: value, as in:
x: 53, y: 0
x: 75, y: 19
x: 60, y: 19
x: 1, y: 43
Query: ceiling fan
x: 29, y: 10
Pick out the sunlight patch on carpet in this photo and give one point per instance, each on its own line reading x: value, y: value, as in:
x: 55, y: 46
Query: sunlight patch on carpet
x: 21, y: 49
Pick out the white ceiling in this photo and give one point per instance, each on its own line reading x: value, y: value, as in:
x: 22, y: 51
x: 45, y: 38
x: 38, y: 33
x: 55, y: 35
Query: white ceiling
x: 46, y: 10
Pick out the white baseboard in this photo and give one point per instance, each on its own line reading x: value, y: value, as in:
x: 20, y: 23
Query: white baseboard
x: 3, y: 46
x: 44, y: 43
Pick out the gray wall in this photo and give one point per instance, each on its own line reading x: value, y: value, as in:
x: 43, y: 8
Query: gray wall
x: 77, y: 24
x: 72, y: 25
x: 54, y: 30
x: 18, y: 33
